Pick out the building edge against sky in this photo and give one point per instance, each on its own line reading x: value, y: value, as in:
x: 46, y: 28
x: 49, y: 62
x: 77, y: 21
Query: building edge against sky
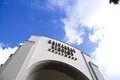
x: 46, y: 58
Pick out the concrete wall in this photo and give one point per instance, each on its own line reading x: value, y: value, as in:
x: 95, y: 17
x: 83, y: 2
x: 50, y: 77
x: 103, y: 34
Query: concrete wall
x: 38, y: 49
x: 11, y: 69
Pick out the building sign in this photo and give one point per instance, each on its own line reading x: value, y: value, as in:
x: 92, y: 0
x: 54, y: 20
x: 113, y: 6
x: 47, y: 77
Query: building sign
x: 61, y: 49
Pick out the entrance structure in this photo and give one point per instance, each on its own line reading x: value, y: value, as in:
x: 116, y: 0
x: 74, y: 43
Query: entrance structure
x: 43, y: 58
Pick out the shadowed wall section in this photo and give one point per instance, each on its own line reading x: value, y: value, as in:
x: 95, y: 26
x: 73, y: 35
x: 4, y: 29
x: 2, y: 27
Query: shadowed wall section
x: 54, y: 70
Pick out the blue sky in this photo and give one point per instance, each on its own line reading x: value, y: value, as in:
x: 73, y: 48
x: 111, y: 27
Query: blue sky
x: 87, y: 25
x: 21, y: 18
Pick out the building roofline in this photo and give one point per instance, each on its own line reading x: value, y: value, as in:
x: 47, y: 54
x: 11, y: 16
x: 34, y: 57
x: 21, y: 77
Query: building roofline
x: 61, y: 41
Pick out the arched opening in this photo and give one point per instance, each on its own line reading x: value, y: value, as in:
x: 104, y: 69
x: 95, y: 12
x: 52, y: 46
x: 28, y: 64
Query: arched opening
x: 54, y: 70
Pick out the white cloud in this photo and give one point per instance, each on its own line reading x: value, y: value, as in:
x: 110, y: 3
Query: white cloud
x: 77, y: 14
x: 97, y: 35
x: 5, y: 52
x: 107, y: 53
x: 104, y: 19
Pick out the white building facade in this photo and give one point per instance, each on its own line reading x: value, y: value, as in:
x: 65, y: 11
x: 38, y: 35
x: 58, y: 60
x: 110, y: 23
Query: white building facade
x: 43, y: 58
